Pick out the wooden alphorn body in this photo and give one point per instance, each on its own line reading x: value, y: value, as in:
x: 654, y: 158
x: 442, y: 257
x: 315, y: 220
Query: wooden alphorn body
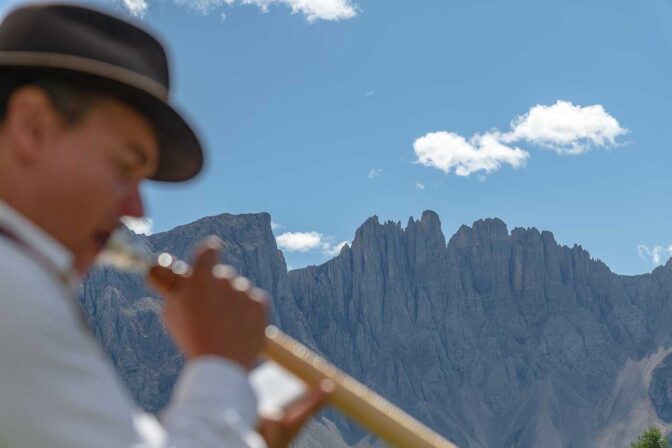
x: 350, y: 396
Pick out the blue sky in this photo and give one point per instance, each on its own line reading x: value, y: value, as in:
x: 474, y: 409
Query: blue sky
x: 325, y: 112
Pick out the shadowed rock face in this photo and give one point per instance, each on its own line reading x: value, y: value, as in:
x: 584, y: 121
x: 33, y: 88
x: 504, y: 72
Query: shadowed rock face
x: 660, y: 390
x: 495, y: 339
x: 125, y: 315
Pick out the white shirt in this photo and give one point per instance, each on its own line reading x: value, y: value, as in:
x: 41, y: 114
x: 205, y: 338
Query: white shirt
x: 59, y: 390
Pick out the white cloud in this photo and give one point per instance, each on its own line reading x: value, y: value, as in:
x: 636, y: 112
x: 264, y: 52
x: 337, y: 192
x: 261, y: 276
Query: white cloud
x: 655, y: 254
x: 566, y: 128
x: 275, y: 225
x: 141, y: 226
x: 203, y: 6
x: 563, y: 127
x: 312, y: 9
x: 333, y: 249
x: 136, y: 7
x: 451, y: 152
x: 420, y: 186
x: 374, y: 173
x: 299, y: 241
x: 309, y: 241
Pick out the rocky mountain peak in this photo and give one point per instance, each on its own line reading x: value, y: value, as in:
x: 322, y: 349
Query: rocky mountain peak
x: 429, y: 224
x: 243, y: 227
x: 495, y: 340
x: 490, y: 229
x: 461, y: 238
x: 481, y: 232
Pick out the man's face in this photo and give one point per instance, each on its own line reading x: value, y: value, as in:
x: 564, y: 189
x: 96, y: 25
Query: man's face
x: 91, y: 172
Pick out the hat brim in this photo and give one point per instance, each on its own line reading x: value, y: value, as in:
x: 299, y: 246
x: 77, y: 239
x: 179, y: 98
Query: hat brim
x: 180, y: 151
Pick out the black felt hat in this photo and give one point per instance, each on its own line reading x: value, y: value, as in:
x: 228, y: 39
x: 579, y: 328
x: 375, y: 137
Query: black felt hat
x: 109, y: 53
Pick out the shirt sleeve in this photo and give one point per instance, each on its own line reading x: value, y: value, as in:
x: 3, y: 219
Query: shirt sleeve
x: 58, y: 389
x: 213, y: 414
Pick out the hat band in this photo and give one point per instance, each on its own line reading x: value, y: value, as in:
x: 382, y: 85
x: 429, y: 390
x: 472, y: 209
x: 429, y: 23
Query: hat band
x: 83, y: 65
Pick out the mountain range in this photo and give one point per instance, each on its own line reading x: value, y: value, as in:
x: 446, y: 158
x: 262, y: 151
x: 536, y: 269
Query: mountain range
x: 495, y: 338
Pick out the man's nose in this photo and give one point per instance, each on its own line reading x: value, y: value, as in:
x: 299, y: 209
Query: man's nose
x: 132, y: 204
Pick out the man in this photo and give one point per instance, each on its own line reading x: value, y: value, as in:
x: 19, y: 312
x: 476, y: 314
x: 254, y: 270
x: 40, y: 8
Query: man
x: 84, y: 119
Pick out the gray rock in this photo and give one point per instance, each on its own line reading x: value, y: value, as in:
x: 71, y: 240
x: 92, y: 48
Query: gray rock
x: 495, y: 339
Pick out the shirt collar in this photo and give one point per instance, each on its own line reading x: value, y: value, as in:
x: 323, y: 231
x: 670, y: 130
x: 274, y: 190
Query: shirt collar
x: 38, y: 240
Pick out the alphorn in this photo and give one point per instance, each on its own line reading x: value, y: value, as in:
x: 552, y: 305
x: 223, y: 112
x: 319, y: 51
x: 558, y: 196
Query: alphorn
x: 349, y: 396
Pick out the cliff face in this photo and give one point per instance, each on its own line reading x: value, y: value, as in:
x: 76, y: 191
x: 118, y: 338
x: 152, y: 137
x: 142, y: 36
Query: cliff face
x: 495, y: 339
x: 125, y: 315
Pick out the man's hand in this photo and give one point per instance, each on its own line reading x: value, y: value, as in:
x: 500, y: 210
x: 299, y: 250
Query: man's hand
x: 211, y: 311
x: 279, y: 430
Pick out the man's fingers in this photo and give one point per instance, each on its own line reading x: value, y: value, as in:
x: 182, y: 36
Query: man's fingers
x: 169, y: 273
x: 207, y: 256
x: 278, y: 430
x: 296, y: 415
x: 164, y: 279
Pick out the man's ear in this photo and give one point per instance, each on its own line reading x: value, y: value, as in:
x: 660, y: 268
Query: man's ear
x: 29, y: 121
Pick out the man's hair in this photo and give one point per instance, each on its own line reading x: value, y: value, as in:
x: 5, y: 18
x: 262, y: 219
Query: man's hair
x: 71, y: 99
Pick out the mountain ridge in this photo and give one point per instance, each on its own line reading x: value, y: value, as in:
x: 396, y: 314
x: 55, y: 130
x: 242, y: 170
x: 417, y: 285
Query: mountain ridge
x: 494, y: 338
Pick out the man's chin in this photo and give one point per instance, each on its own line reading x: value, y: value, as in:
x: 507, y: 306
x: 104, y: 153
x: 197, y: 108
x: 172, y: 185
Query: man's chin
x: 86, y: 258
x: 84, y: 262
